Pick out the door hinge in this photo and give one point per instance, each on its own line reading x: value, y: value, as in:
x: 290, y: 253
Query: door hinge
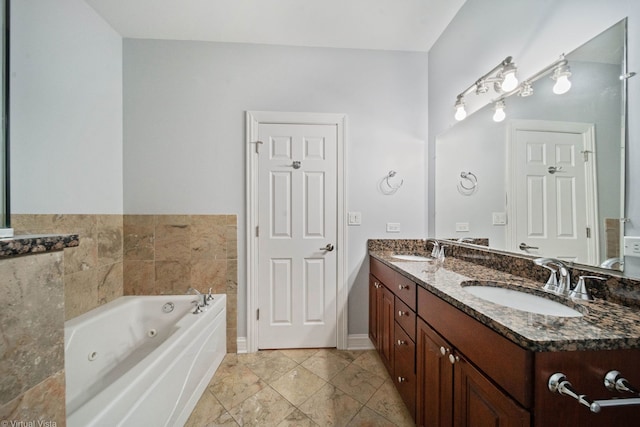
x: 257, y: 231
x: 585, y: 154
x: 258, y: 143
x: 588, y: 232
x: 258, y: 314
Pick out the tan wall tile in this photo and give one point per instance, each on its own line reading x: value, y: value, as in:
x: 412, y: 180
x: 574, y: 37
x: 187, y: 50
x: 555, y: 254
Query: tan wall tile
x: 172, y: 242
x: 172, y: 277
x: 32, y: 344
x: 81, y: 293
x: 139, y: 277
x: 110, y: 278
x: 207, y: 274
x: 110, y: 239
x: 44, y: 402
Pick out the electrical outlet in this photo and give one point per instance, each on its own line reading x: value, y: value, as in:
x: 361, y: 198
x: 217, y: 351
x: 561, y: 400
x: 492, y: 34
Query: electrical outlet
x: 393, y: 227
x: 355, y: 218
x: 632, y: 246
x: 462, y: 226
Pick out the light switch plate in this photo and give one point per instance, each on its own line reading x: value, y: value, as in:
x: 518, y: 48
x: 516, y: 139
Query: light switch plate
x: 499, y: 218
x: 393, y: 227
x: 632, y: 246
x: 462, y: 226
x: 354, y: 218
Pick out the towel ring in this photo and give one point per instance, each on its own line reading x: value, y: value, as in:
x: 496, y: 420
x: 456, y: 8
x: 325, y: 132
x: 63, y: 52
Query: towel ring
x: 471, y: 186
x: 386, y: 187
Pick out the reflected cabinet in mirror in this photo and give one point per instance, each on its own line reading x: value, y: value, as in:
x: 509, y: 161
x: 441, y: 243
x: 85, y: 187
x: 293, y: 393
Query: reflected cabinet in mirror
x: 549, y: 179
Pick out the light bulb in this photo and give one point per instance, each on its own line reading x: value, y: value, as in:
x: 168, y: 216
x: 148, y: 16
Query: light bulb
x: 510, y: 81
x: 460, y: 111
x: 563, y: 84
x: 499, y: 115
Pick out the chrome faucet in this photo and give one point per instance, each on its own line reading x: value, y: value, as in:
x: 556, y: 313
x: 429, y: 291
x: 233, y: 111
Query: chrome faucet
x: 562, y: 286
x: 203, y: 297
x: 435, y: 251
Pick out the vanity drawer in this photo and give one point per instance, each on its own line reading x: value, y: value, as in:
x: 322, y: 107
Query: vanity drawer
x: 487, y: 349
x: 405, y: 289
x: 385, y: 274
x: 406, y: 318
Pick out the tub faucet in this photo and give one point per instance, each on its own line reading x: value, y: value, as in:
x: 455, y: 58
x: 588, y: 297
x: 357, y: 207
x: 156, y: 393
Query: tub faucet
x: 203, y: 297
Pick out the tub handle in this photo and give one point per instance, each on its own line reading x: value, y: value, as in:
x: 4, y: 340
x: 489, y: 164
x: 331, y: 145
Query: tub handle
x: 198, y: 308
x: 210, y: 295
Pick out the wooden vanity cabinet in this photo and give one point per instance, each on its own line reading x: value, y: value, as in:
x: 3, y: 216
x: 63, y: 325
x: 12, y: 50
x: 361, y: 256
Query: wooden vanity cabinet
x: 451, y: 390
x: 392, y: 301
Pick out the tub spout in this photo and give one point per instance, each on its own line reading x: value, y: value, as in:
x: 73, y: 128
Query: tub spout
x: 203, y: 297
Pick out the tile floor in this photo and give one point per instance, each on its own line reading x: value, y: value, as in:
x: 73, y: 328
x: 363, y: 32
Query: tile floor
x: 319, y: 387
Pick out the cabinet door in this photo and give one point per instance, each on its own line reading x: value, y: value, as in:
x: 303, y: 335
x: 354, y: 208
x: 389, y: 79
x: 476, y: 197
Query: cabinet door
x: 479, y: 403
x: 434, y: 379
x: 375, y: 303
x: 386, y: 328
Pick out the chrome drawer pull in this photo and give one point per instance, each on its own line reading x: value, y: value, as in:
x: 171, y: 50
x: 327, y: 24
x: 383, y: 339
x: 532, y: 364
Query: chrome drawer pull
x: 401, y: 342
x: 402, y: 313
x: 401, y: 287
x: 401, y: 379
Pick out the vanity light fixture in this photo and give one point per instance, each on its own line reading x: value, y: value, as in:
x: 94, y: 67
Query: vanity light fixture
x: 499, y: 114
x: 526, y: 90
x: 503, y: 77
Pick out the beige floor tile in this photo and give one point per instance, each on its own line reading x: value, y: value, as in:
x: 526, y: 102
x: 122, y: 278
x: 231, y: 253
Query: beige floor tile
x: 370, y: 361
x: 271, y: 368
x: 368, y: 418
x: 232, y: 390
x: 331, y: 407
x: 299, y: 355
x: 388, y: 403
x: 357, y: 382
x: 210, y: 412
x: 325, y: 364
x: 265, y: 408
x: 298, y: 385
x: 297, y: 419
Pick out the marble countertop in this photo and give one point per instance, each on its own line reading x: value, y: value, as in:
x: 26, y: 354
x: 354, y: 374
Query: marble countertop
x: 604, y: 325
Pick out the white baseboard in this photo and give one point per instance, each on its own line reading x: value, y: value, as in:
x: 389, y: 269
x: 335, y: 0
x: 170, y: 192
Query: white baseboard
x: 242, y: 345
x: 354, y: 342
x: 359, y: 342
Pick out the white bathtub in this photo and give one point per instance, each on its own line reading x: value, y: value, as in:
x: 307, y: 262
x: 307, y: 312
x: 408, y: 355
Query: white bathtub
x: 130, y: 363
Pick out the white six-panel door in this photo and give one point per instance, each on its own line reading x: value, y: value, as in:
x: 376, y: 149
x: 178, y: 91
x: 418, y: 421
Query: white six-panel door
x: 297, y: 240
x: 552, y: 171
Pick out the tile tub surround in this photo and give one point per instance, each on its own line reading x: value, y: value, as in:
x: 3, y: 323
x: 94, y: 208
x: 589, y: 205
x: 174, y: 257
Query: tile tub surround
x: 604, y: 326
x: 93, y: 269
x: 167, y: 254
x: 32, y: 385
x: 617, y: 289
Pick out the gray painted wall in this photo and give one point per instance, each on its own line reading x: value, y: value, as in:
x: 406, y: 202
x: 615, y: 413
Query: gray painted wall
x: 535, y: 33
x: 184, y: 139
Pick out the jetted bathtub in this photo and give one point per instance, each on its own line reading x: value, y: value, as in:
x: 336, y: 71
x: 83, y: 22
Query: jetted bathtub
x: 142, y: 360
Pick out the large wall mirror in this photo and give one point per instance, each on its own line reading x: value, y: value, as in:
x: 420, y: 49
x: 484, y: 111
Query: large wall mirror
x: 4, y: 146
x: 549, y: 179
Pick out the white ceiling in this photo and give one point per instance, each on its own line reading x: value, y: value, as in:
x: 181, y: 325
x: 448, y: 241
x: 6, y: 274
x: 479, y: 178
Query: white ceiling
x: 410, y: 25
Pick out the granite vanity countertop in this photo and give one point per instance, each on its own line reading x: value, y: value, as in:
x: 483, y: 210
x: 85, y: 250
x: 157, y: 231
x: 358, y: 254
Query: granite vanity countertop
x: 603, y: 326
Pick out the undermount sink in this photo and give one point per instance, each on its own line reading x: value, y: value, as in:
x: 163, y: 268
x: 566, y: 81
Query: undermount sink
x: 411, y: 257
x: 521, y: 301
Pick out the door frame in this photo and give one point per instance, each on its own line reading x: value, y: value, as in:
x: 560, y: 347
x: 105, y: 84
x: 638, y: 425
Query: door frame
x: 253, y: 120
x: 588, y: 139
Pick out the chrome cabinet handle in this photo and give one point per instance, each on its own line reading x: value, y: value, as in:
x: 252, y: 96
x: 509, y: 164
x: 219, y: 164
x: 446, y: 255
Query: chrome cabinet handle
x: 453, y: 359
x: 401, y: 379
x: 401, y: 287
x: 444, y: 351
x: 402, y: 313
x: 401, y: 342
x: 377, y: 285
x: 327, y: 248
